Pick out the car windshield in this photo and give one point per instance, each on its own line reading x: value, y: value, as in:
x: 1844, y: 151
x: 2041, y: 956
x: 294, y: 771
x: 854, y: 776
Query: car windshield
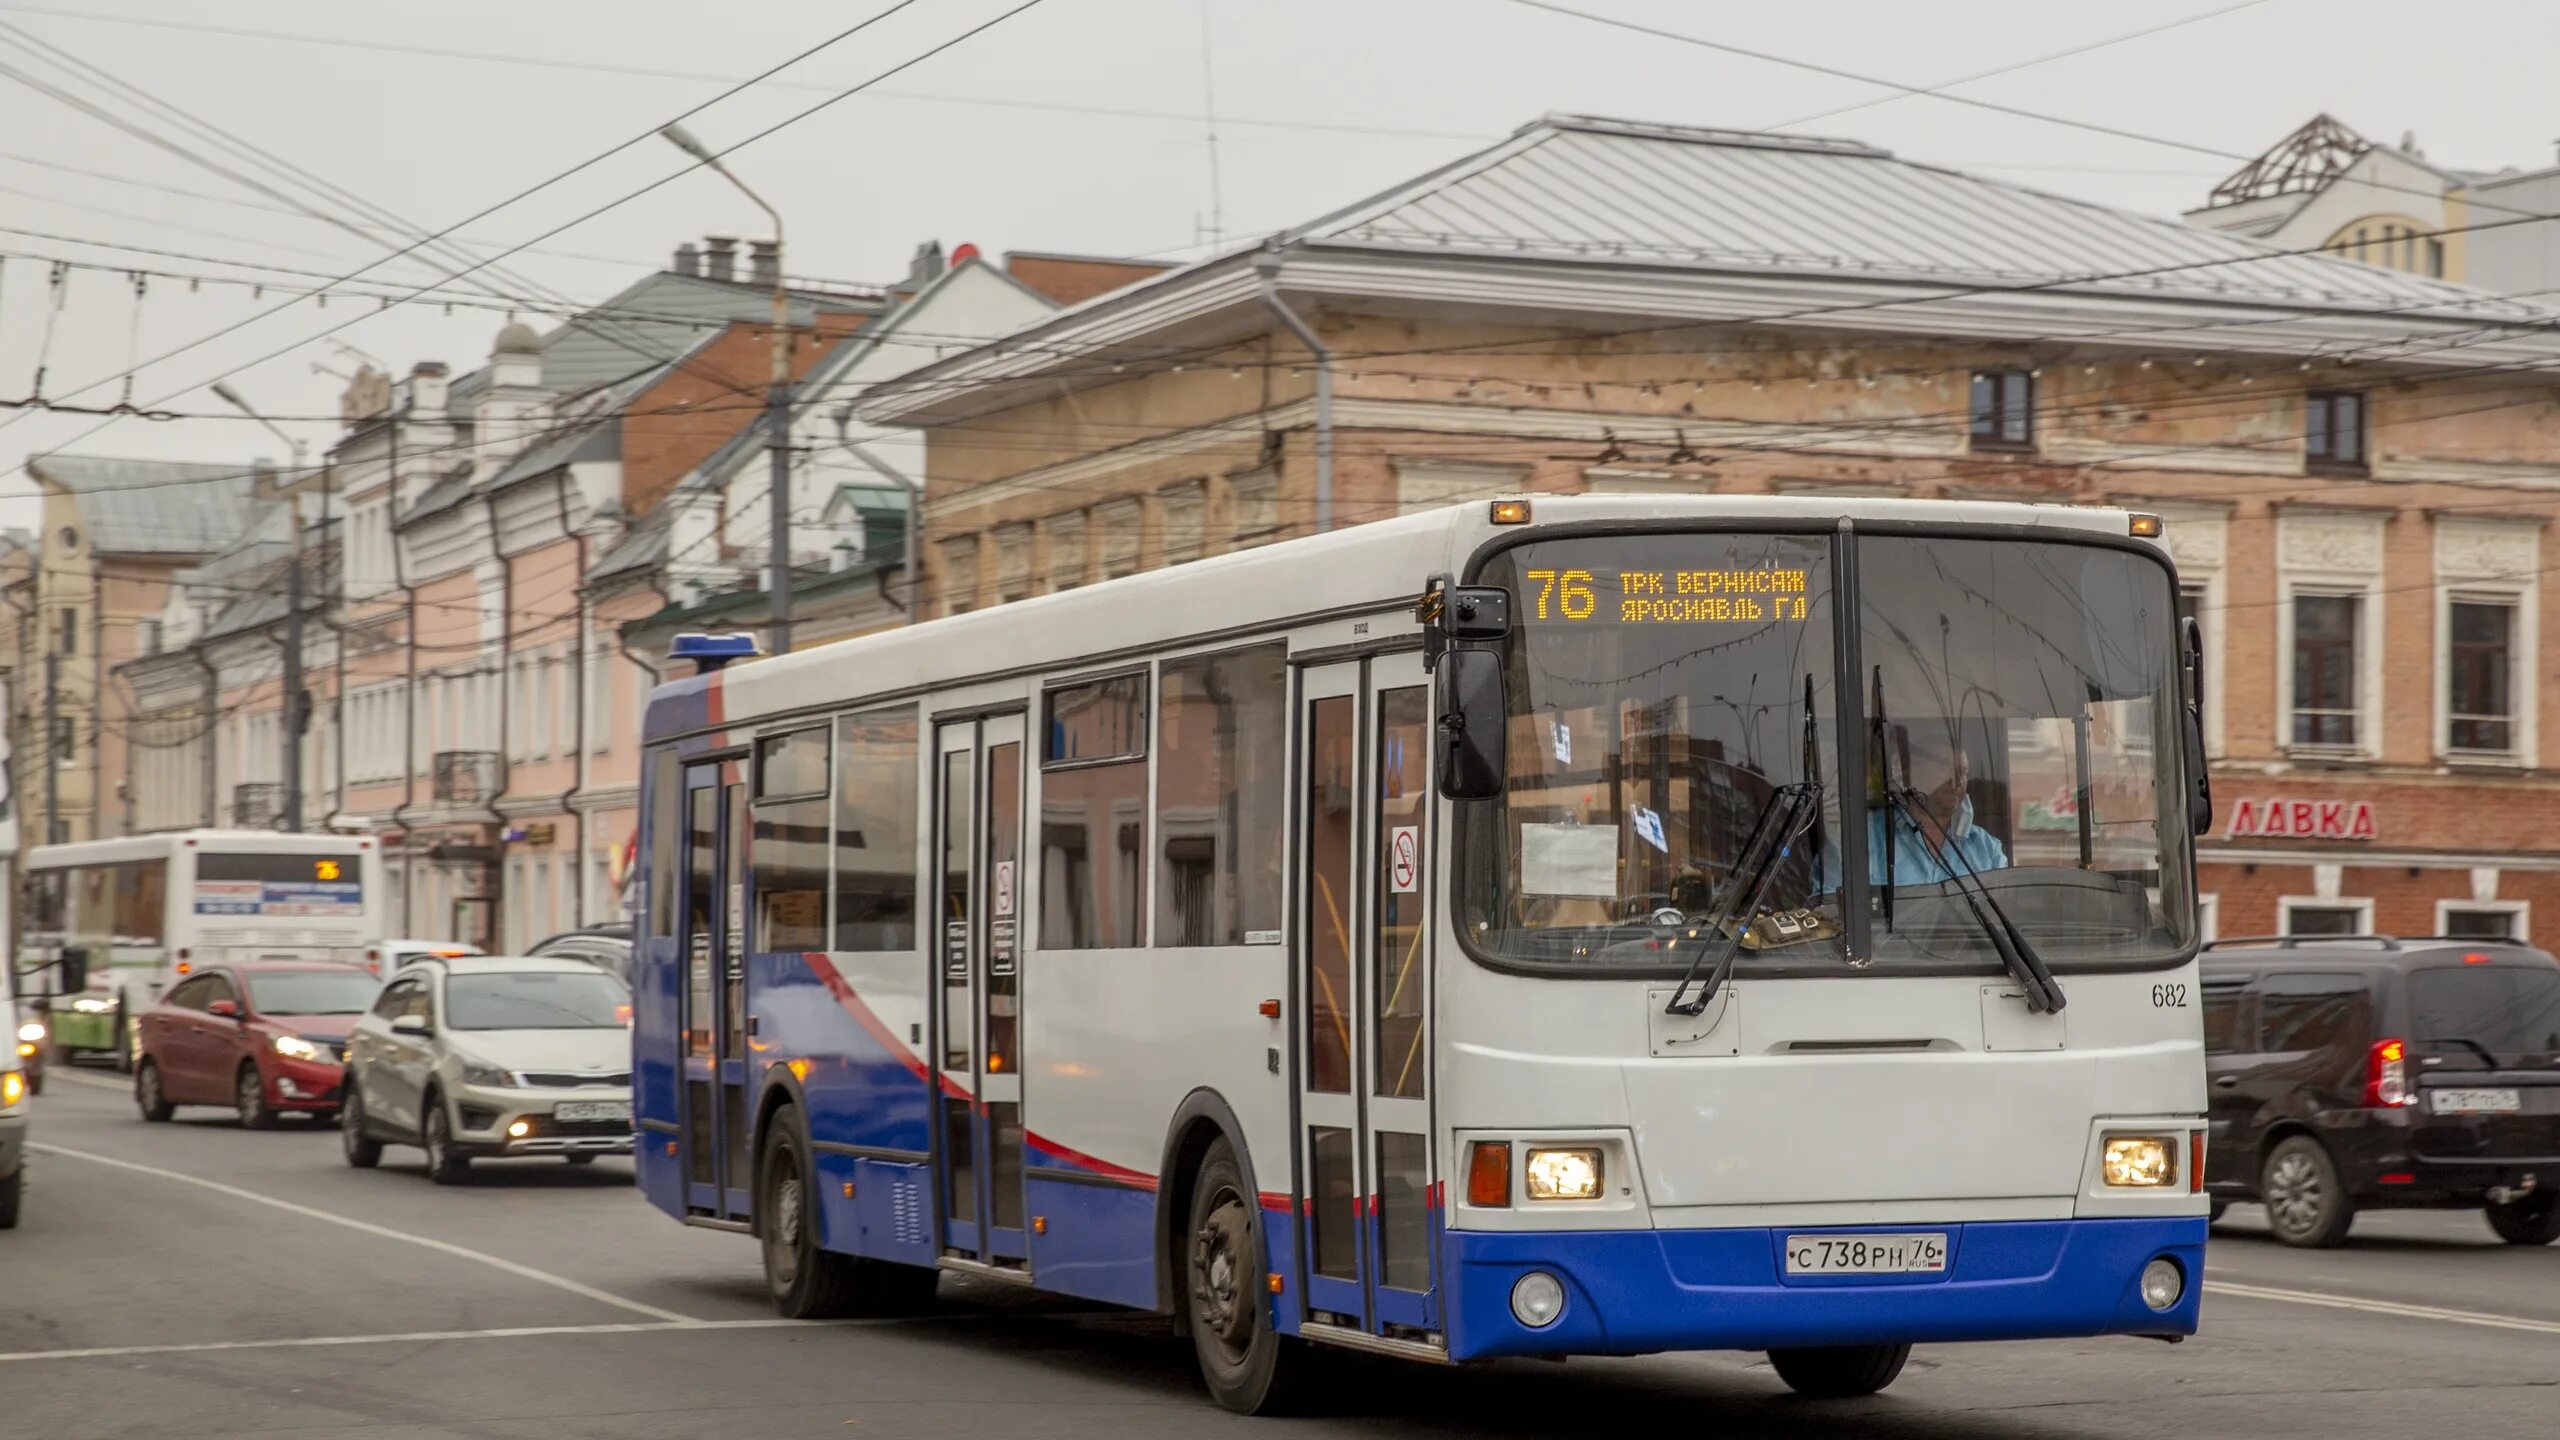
x: 1664, y: 688
x: 312, y: 992
x: 2510, y: 1011
x: 537, y: 1000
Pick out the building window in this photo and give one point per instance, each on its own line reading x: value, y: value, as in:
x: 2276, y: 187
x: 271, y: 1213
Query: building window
x: 67, y: 639
x: 2481, y: 920
x: 960, y: 575
x: 66, y: 742
x: 2333, y: 429
x: 1254, y: 508
x: 2328, y: 917
x: 2480, y: 675
x: 2003, y: 409
x: 1013, y: 563
x: 2435, y: 259
x: 1426, y: 484
x: 1119, y: 524
x: 1070, y: 561
x: 147, y: 636
x: 1185, y: 513
x: 2325, y: 666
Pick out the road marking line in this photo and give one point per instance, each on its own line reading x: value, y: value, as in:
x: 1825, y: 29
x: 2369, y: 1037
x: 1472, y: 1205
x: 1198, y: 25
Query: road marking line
x: 76, y: 1078
x: 527, y: 1272
x: 2381, y: 1307
x: 416, y: 1336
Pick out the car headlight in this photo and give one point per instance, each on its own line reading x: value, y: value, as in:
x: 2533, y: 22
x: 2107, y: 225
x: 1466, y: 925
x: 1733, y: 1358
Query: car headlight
x: 294, y: 1047
x: 32, y: 1032
x: 2140, y: 1161
x: 13, y: 1088
x: 480, y: 1072
x: 1563, y: 1174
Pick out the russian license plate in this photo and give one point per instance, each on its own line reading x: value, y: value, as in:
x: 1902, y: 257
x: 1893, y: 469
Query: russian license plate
x: 1924, y: 1254
x: 2477, y: 1102
x: 592, y: 1110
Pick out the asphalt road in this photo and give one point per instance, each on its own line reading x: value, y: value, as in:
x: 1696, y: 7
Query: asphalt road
x: 193, y: 1279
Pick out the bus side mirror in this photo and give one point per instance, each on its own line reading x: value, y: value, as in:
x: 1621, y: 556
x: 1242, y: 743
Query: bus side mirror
x: 1474, y: 725
x: 74, y: 967
x: 2200, y: 798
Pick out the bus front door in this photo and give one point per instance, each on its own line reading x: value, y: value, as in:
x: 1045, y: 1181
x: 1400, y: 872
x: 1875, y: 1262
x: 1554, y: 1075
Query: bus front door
x: 1366, y: 1185
x: 717, y: 1135
x: 977, y: 1039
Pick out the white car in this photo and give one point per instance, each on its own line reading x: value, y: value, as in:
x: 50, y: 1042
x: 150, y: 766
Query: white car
x: 486, y: 1056
x: 391, y: 956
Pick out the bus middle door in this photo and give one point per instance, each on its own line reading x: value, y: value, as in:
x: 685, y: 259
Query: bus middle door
x: 718, y: 1163
x: 1365, y: 1173
x: 978, y: 946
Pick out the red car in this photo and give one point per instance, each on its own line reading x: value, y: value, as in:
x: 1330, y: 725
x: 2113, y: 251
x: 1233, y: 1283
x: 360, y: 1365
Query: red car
x: 264, y: 1037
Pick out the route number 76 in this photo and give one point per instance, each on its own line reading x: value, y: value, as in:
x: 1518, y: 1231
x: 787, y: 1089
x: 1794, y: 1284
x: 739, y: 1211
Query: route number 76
x: 1566, y: 591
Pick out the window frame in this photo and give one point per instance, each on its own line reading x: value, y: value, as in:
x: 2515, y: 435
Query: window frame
x: 1985, y: 424
x: 2320, y: 433
x: 2518, y: 598
x: 1157, y: 833
x: 1036, y: 882
x: 2287, y: 904
x: 2520, y: 912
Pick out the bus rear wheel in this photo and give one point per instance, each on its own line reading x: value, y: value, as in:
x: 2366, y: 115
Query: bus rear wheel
x: 1249, y: 1367
x: 1839, y: 1372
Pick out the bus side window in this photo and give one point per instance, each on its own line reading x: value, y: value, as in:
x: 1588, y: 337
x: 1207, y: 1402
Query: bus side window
x: 666, y: 829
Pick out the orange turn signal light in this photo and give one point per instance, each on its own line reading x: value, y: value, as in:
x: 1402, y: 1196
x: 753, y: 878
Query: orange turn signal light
x: 1489, y: 1174
x: 2143, y: 527
x: 1510, y: 512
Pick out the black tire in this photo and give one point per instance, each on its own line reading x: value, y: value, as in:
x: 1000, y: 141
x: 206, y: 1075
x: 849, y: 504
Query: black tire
x: 805, y: 1281
x: 35, y: 1082
x: 2532, y: 1221
x: 12, y: 1190
x: 249, y: 1097
x: 580, y: 1157
x: 362, y: 1151
x: 324, y: 1119
x: 126, y: 1039
x: 445, y: 1165
x: 1839, y: 1372
x: 2214, y: 1215
x: 2307, y: 1204
x: 149, y: 1096
x: 1249, y: 1367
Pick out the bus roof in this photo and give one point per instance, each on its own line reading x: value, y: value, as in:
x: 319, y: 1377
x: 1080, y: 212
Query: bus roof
x: 1358, y: 570
x: 164, y: 843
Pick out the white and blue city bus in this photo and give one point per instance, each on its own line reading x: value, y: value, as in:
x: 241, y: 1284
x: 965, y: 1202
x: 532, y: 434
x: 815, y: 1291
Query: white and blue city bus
x: 1594, y: 925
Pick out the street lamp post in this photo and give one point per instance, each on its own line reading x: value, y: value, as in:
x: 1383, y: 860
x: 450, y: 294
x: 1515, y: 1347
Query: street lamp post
x: 777, y: 403
x: 297, y: 705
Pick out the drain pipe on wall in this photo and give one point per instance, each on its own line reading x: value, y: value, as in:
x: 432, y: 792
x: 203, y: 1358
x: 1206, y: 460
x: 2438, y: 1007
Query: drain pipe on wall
x: 506, y: 686
x: 1265, y: 268
x: 577, y: 786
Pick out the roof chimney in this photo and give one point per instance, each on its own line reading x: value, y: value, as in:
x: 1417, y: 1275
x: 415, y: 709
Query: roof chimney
x: 764, y: 264
x: 719, y: 257
x: 688, y: 259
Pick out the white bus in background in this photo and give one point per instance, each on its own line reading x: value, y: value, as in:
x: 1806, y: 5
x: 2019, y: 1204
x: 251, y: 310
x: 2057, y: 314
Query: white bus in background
x: 106, y: 925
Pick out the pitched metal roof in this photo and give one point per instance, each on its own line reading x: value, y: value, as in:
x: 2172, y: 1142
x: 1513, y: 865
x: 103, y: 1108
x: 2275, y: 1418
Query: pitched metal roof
x: 153, y: 507
x: 663, y: 313
x: 1574, y: 187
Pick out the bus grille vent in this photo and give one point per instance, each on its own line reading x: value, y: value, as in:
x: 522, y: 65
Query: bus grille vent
x: 907, y: 1212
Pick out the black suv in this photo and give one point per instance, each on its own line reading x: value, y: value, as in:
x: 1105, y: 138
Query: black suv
x: 2352, y: 1072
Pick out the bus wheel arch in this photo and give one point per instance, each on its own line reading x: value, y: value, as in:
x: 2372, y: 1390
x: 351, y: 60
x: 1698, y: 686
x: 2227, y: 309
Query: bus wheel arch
x: 781, y: 1092
x: 1203, y: 1119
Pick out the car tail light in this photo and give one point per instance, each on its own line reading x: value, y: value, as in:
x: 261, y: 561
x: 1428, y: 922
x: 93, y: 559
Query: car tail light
x: 1489, y: 1174
x: 2386, y: 1076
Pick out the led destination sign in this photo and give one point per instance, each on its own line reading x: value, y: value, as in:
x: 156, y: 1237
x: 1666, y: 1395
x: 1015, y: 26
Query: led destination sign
x: 1668, y: 597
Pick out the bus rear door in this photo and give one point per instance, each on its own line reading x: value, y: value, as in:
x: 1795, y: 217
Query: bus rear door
x: 718, y: 1161
x: 1366, y: 1193
x: 977, y: 1039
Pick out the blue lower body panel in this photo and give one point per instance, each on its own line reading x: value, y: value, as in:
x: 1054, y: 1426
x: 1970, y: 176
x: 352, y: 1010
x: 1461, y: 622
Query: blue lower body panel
x: 1637, y: 1292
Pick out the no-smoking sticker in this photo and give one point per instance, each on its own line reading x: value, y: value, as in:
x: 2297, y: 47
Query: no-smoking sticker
x: 1404, y: 859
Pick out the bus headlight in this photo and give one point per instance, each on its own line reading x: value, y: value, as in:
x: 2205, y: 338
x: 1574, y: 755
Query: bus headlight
x: 2163, y: 1283
x: 1563, y: 1175
x: 32, y: 1032
x: 93, y: 1004
x: 1537, y: 1298
x: 13, y: 1088
x: 2139, y: 1161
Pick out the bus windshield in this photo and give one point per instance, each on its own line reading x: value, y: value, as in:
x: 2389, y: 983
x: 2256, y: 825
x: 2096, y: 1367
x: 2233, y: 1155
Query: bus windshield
x: 2014, y: 698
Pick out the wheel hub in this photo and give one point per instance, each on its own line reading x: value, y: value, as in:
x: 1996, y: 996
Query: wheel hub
x: 2293, y: 1193
x: 1217, y: 1271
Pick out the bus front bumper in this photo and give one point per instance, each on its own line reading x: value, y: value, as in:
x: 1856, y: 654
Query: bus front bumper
x: 1638, y: 1292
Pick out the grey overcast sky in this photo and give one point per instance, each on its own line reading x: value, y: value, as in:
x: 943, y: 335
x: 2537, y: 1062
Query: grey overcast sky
x: 1077, y: 125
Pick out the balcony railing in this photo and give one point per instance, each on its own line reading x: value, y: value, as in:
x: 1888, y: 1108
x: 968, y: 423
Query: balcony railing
x: 466, y: 777
x: 257, y: 806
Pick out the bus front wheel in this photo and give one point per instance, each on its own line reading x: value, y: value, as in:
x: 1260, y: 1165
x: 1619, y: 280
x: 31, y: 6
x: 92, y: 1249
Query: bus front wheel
x: 806, y: 1280
x: 1249, y: 1367
x: 1839, y: 1372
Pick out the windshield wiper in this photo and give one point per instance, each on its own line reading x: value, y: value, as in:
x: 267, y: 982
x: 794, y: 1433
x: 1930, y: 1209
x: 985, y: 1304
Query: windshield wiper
x: 2467, y: 1043
x: 1791, y: 812
x: 2017, y: 956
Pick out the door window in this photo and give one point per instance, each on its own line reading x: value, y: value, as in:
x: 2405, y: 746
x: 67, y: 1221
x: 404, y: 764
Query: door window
x: 2223, y: 1033
x: 190, y: 994
x: 394, y: 999
x: 218, y: 987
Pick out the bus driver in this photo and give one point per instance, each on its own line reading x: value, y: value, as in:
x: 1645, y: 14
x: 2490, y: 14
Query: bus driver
x: 1932, y: 763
